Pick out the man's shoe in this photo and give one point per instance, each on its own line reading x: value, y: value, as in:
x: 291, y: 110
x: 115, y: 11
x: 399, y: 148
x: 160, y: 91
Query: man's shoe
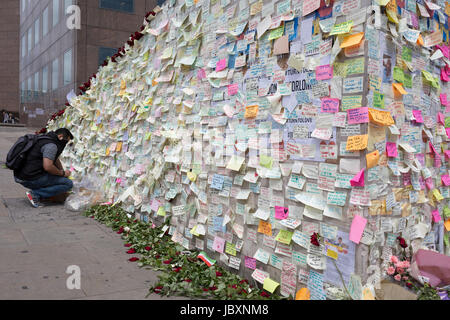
x: 32, y: 200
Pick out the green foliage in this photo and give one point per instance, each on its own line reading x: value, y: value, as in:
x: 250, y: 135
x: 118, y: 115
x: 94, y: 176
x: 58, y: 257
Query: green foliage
x: 182, y: 273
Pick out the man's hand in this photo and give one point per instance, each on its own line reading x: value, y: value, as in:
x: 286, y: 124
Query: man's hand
x: 66, y: 173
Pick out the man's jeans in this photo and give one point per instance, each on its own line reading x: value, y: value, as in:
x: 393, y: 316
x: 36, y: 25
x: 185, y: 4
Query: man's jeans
x: 47, y: 186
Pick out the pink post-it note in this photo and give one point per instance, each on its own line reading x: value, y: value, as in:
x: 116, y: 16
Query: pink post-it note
x: 201, y: 74
x: 324, y: 72
x: 418, y: 116
x: 447, y: 131
x: 221, y: 64
x: 219, y: 244
x: 429, y: 183
x: 358, y: 180
x: 444, y: 76
x: 447, y: 152
x: 358, y: 115
x: 330, y: 105
x: 443, y: 98
x: 445, y: 179
x: 441, y: 118
x: 281, y: 213
x: 357, y: 228
x: 155, y: 205
x: 391, y: 149
x: 233, y: 89
x: 436, y: 216
x: 250, y: 262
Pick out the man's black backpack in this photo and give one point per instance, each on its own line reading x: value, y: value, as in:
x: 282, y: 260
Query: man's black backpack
x: 18, y: 153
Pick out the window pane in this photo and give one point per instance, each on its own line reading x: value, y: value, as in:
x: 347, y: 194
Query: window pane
x: 121, y: 5
x: 24, y: 45
x: 45, y: 22
x: 36, y: 81
x: 30, y: 39
x: 45, y: 79
x: 36, y: 31
x: 104, y: 53
x: 67, y: 3
x: 55, y: 74
x: 55, y: 12
x: 68, y: 67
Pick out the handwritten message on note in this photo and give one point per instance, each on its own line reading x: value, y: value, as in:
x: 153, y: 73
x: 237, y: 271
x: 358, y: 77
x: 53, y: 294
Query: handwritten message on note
x: 324, y: 72
x: 358, y: 115
x: 281, y: 213
x: 355, y: 143
x: 330, y: 105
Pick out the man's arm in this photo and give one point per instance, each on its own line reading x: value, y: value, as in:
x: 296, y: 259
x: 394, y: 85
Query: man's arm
x: 52, y: 169
x: 58, y: 164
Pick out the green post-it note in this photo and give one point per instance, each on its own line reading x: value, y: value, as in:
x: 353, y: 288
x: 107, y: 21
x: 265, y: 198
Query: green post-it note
x: 406, y: 54
x: 270, y: 285
x: 276, y: 33
x: 378, y: 100
x: 446, y: 212
x: 265, y: 161
x: 398, y: 74
x: 407, y: 80
x: 284, y: 236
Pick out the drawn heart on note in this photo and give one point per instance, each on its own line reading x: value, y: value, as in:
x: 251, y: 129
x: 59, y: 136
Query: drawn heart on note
x: 328, y: 150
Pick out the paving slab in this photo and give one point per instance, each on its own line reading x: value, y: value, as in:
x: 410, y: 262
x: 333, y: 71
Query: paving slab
x: 37, y: 246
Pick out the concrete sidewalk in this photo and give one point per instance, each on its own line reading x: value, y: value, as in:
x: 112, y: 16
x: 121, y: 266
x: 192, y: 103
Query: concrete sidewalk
x: 37, y: 246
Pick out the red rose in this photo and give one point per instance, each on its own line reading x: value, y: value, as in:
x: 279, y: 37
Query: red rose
x: 213, y: 288
x: 234, y: 286
x: 315, y: 239
x: 409, y: 284
x: 131, y: 251
x: 133, y: 259
x: 177, y: 269
x: 157, y: 256
x: 158, y: 289
x: 148, y: 248
x: 188, y: 280
x: 402, y: 242
x: 205, y: 289
x: 167, y: 261
x: 243, y: 281
x: 264, y: 294
x: 242, y: 291
x: 218, y: 274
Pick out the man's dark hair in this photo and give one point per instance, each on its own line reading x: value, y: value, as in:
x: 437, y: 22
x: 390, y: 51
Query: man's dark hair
x: 65, y: 132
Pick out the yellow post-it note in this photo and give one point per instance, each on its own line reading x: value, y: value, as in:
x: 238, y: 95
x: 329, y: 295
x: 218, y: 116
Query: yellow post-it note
x: 230, y: 248
x: 356, y: 143
x: 161, y: 212
x: 107, y: 151
x: 303, y: 294
x: 383, y: 118
x: 437, y: 195
x: 192, y: 176
x: 119, y: 146
x: 251, y: 111
x: 235, y: 163
x: 352, y: 40
x: 270, y: 285
x: 194, y: 231
x: 398, y: 87
x: 265, y: 227
x: 284, y: 236
x: 265, y: 161
x: 372, y: 159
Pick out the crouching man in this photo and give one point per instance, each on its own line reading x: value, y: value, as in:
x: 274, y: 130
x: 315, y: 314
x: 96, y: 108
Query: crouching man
x: 42, y: 172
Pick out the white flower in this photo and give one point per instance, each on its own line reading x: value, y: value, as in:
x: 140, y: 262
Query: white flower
x: 129, y: 216
x: 126, y: 229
